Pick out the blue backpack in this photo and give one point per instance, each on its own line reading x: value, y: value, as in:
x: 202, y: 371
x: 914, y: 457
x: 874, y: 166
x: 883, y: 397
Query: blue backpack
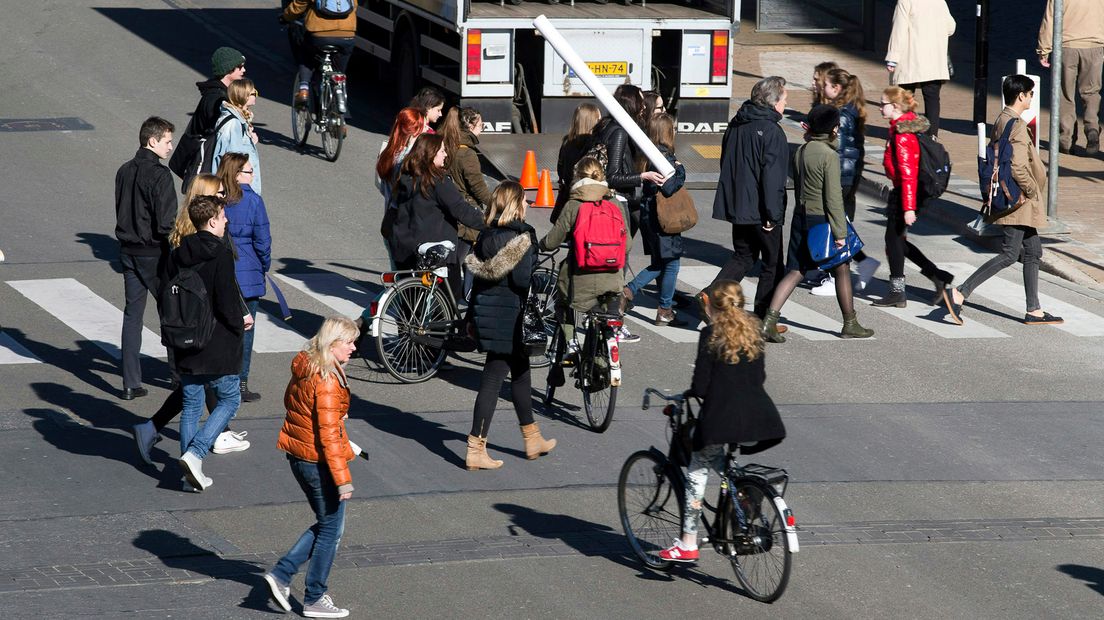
x: 333, y: 9
x: 1000, y: 194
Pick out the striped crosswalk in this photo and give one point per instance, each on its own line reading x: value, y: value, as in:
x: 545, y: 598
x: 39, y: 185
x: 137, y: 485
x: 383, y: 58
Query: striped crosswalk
x: 98, y: 321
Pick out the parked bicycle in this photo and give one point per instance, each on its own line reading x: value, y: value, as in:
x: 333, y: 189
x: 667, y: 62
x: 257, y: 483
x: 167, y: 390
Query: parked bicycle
x: 416, y: 316
x: 543, y: 286
x: 326, y: 114
x: 751, y: 524
x: 595, y: 361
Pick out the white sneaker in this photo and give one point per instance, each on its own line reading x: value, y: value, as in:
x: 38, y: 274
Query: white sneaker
x: 145, y: 435
x: 625, y: 336
x: 230, y: 441
x: 866, y: 271
x: 193, y: 470
x: 324, y: 608
x: 279, y: 592
x: 826, y: 288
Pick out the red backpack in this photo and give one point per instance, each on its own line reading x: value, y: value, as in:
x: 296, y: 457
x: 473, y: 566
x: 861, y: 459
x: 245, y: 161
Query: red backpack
x: 599, y: 237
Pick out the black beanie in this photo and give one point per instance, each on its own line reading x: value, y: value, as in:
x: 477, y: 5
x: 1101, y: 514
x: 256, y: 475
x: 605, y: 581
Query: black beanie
x: 823, y: 118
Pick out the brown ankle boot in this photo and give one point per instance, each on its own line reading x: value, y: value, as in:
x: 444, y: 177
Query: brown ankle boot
x: 535, y: 445
x: 477, y: 455
x: 626, y: 299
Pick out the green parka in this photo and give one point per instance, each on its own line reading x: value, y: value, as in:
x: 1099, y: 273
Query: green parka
x: 818, y: 171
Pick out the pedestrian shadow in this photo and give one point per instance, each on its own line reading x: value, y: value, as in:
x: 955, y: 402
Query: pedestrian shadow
x: 87, y: 363
x: 597, y: 540
x: 104, y: 247
x: 180, y: 553
x: 1091, y: 575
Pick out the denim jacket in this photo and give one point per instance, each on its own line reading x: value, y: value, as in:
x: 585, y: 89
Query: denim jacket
x: 234, y: 137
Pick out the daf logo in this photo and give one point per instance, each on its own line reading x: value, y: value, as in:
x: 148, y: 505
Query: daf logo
x: 497, y: 127
x: 702, y: 127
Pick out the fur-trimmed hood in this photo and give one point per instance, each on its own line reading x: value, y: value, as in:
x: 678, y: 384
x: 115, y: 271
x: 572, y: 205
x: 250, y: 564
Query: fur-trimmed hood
x: 501, y: 264
x: 912, y: 125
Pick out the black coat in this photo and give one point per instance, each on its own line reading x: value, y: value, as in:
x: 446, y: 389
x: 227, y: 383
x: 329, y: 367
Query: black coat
x: 502, y: 265
x: 570, y: 154
x: 656, y: 242
x: 754, y: 163
x: 214, y: 262
x: 145, y: 205
x: 621, y: 175
x: 735, y: 405
x: 418, y: 219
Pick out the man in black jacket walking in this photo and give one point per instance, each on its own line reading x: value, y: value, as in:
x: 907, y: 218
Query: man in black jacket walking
x: 145, y: 209
x: 751, y: 193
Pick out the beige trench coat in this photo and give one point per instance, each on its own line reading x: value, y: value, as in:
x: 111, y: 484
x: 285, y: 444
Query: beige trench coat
x: 918, y: 41
x: 1028, y: 171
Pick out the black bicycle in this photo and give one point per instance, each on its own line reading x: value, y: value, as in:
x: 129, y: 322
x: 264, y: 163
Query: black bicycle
x: 751, y: 524
x: 329, y: 120
x: 595, y: 362
x: 543, y: 287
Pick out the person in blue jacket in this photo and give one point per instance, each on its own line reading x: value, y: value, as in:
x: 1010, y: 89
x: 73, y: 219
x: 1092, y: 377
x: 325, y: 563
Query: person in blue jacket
x: 248, y: 227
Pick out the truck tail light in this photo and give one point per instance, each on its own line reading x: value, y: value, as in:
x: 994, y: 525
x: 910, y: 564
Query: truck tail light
x: 475, y: 54
x: 718, y: 73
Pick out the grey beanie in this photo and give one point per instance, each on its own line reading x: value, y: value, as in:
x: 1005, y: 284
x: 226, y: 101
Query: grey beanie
x: 225, y: 60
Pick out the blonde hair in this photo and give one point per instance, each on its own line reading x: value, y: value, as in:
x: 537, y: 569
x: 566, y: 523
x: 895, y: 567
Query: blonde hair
x: 583, y: 120
x: 589, y: 168
x: 661, y: 130
x: 237, y: 95
x: 901, y: 98
x: 735, y: 330
x: 507, y: 204
x: 202, y: 185
x: 320, y: 358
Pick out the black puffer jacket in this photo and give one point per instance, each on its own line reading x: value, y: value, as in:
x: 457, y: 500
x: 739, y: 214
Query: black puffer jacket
x: 417, y: 219
x: 754, y: 163
x: 620, y: 170
x: 214, y: 262
x: 851, y: 148
x: 502, y: 263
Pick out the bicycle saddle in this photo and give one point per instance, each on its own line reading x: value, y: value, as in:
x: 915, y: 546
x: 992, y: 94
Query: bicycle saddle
x: 329, y: 49
x: 435, y: 253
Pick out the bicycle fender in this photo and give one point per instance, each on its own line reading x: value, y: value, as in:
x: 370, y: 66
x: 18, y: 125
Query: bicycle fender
x: 373, y: 328
x: 615, y: 361
x: 787, y: 514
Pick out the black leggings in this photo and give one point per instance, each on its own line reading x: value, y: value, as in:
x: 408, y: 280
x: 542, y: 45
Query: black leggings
x: 521, y: 391
x: 897, y: 245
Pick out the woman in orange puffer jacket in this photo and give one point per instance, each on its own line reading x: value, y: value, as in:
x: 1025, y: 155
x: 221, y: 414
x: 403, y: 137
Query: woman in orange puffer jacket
x: 313, y: 435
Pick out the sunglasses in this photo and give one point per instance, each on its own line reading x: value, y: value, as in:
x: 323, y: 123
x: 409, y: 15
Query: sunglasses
x: 244, y: 171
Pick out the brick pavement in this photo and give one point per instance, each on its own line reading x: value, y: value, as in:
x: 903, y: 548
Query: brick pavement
x: 1077, y: 256
x: 604, y: 543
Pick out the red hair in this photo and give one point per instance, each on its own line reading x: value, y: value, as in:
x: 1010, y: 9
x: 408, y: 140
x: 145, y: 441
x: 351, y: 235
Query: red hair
x: 409, y: 123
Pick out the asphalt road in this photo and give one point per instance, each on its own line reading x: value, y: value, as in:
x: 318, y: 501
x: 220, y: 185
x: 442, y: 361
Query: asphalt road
x: 938, y: 471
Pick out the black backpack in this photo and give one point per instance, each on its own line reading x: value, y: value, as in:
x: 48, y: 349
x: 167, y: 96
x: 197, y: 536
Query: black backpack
x: 935, y: 168
x: 194, y: 152
x: 187, y: 319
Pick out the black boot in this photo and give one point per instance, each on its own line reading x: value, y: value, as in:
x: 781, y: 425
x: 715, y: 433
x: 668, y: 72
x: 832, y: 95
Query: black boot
x: 246, y: 395
x: 896, y: 296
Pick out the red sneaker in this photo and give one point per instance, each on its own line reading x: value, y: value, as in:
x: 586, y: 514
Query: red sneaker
x: 675, y: 553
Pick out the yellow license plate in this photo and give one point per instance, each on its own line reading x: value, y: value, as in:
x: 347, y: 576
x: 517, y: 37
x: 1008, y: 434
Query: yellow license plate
x: 609, y: 68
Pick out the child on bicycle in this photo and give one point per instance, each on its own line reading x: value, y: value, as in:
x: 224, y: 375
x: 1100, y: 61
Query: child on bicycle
x: 730, y: 361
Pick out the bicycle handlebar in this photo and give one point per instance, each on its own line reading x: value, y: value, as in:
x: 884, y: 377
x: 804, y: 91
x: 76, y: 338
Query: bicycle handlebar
x: 678, y: 398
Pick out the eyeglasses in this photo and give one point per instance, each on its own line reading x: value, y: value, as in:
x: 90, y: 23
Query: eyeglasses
x: 254, y: 94
x: 885, y: 103
x: 244, y: 171
x: 220, y: 194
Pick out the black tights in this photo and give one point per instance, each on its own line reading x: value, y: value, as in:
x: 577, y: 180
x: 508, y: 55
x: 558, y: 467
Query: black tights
x: 521, y: 392
x: 842, y: 275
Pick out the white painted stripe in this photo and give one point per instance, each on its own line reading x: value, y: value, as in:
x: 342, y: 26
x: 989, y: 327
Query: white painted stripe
x: 1009, y: 294
x: 961, y: 181
x: 274, y: 336
x: 11, y: 352
x: 86, y: 313
x: 930, y: 317
x: 332, y: 289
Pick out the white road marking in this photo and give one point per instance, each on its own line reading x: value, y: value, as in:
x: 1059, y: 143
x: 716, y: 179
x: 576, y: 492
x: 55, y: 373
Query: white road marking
x: 332, y: 290
x: 11, y: 352
x: 274, y: 335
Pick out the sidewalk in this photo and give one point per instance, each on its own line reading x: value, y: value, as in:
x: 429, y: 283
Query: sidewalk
x: 1077, y: 256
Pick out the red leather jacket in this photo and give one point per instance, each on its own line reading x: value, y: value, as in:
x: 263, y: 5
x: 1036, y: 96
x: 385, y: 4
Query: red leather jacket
x: 902, y: 156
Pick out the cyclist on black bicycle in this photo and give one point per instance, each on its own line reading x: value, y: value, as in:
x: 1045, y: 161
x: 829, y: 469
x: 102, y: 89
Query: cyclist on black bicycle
x: 729, y: 374
x: 313, y: 24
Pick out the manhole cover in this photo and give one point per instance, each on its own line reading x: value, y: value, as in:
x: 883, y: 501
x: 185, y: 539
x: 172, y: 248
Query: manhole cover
x: 68, y: 123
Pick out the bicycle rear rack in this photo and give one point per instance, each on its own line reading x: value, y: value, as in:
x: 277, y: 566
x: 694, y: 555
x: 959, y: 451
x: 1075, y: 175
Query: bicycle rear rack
x: 774, y: 476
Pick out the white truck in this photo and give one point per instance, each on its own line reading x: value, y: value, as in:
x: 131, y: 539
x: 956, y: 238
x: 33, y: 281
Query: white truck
x: 489, y: 55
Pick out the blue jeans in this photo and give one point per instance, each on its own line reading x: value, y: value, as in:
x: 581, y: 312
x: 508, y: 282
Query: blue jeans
x: 247, y: 339
x: 227, y: 388
x: 666, y: 271
x: 319, y: 543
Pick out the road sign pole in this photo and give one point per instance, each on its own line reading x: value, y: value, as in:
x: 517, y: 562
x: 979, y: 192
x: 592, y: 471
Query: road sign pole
x: 1055, y: 110
x: 981, y: 62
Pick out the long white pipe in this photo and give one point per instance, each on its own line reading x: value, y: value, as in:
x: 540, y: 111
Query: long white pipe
x: 564, y: 49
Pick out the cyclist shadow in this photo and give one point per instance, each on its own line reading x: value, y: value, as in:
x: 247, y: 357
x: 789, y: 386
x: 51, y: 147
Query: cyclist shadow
x: 1092, y: 576
x: 596, y: 540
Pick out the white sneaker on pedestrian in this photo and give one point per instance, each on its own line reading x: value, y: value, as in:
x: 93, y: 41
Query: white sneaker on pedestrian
x: 324, y: 608
x: 230, y: 441
x: 866, y: 271
x: 193, y: 470
x: 625, y: 336
x: 145, y: 435
x: 279, y: 591
x: 826, y: 288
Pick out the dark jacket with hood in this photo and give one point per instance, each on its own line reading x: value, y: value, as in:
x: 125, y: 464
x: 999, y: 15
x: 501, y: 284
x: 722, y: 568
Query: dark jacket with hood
x: 851, y: 148
x: 502, y: 265
x: 754, y: 162
x: 749, y: 418
x: 209, y: 256
x: 203, y: 122
x: 621, y: 175
x: 145, y: 205
x: 417, y: 218
x: 571, y: 151
x: 656, y: 242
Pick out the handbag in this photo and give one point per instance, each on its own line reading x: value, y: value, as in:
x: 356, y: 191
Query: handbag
x: 534, y: 334
x: 676, y: 213
x: 822, y: 246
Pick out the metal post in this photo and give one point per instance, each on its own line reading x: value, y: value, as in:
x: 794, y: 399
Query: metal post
x: 981, y: 62
x: 1055, y: 107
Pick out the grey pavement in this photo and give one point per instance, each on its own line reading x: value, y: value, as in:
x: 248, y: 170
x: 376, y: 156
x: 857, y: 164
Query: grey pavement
x: 934, y: 475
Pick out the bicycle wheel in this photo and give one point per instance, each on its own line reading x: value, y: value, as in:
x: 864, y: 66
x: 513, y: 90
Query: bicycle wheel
x: 760, y: 551
x: 412, y: 327
x: 555, y: 377
x: 543, y: 285
x: 650, y: 505
x: 300, y: 117
x: 333, y: 132
x: 599, y: 397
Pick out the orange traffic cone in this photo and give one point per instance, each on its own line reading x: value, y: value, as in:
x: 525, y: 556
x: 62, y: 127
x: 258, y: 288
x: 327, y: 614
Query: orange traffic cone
x: 529, y: 171
x: 545, y: 198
